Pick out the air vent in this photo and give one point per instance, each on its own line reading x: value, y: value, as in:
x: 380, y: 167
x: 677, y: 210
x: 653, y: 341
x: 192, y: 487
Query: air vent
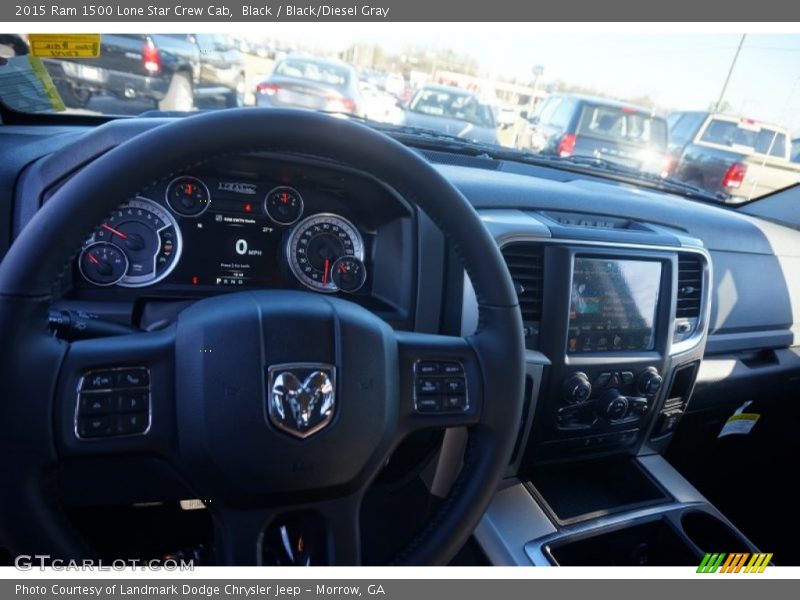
x: 525, y: 262
x: 690, y: 286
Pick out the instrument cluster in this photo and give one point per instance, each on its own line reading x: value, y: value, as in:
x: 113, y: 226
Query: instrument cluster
x: 214, y: 232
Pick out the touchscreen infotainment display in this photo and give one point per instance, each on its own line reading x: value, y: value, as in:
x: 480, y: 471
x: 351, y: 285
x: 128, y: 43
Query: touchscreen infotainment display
x: 613, y: 305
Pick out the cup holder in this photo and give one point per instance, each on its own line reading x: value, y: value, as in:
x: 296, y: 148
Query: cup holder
x: 710, y: 534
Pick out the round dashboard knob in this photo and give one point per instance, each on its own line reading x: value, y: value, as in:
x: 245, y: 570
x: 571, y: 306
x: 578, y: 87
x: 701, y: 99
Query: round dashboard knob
x: 612, y: 405
x: 650, y: 382
x: 577, y: 388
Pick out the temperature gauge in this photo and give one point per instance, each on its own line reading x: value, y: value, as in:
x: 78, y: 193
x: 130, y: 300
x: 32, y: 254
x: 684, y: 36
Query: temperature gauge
x: 284, y: 205
x: 348, y: 274
x: 188, y: 196
x: 103, y: 263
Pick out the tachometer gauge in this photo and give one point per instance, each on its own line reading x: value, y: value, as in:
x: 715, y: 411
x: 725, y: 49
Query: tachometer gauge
x: 284, y: 205
x: 316, y: 244
x: 348, y: 274
x: 188, y: 196
x: 149, y: 237
x: 103, y: 263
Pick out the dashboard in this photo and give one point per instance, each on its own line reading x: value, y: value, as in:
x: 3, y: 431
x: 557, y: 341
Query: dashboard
x: 632, y: 300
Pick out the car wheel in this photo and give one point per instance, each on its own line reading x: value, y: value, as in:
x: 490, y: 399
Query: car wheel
x: 74, y: 97
x: 179, y: 95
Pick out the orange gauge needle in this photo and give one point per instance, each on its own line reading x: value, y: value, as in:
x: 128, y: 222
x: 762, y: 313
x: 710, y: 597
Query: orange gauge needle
x: 93, y: 260
x: 107, y: 227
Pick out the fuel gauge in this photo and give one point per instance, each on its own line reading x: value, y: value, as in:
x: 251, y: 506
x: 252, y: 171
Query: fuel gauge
x: 103, y: 263
x: 348, y: 274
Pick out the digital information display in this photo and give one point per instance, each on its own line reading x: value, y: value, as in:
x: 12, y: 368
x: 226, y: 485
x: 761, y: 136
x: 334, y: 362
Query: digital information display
x: 231, y: 250
x: 613, y: 305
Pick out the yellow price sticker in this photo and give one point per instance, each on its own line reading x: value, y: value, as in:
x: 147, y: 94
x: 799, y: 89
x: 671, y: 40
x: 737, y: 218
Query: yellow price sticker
x: 64, y: 45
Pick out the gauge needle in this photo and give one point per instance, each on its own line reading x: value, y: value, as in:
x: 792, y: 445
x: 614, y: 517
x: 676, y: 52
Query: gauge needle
x: 326, y: 268
x: 93, y: 259
x: 107, y: 227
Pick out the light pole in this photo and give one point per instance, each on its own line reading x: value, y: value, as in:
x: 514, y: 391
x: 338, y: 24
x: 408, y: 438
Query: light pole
x: 723, y: 91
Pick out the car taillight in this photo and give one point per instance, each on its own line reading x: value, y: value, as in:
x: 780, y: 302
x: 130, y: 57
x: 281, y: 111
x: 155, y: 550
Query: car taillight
x: 268, y: 89
x: 667, y: 164
x: 734, y: 176
x: 341, y: 104
x: 567, y: 145
x: 151, y: 58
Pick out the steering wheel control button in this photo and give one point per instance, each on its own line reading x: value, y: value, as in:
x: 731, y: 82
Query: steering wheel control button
x: 98, y: 380
x: 440, y: 386
x: 455, y: 386
x: 428, y: 368
x: 96, y: 427
x: 429, y: 404
x: 113, y: 402
x: 133, y: 402
x: 132, y: 423
x: 451, y: 368
x: 429, y: 386
x: 455, y: 402
x: 132, y: 378
x: 90, y: 405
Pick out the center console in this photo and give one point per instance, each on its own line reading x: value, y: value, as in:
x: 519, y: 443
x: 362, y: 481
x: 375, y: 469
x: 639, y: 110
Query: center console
x: 616, y: 318
x: 608, y: 332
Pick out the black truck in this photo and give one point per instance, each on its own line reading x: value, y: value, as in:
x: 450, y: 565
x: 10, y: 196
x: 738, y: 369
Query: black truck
x: 178, y: 72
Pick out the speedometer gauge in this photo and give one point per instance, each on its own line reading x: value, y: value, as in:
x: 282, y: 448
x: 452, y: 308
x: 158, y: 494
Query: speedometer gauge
x: 316, y: 243
x: 149, y: 237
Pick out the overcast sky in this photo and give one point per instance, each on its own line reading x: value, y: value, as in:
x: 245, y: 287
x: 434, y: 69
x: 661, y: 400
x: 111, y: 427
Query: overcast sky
x: 680, y: 71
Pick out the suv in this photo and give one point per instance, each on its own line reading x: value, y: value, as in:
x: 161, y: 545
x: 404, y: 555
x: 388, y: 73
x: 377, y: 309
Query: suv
x: 733, y: 157
x: 572, y: 125
x: 175, y: 71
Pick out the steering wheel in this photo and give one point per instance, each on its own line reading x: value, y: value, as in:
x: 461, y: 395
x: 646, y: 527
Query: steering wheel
x: 214, y: 417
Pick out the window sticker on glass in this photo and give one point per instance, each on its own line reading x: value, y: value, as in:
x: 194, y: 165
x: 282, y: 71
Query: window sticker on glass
x: 65, y: 45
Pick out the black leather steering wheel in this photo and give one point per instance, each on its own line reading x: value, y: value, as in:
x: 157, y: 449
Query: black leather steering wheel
x: 208, y: 408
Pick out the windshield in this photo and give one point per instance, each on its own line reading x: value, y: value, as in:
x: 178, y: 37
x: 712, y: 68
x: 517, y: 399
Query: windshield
x: 696, y: 115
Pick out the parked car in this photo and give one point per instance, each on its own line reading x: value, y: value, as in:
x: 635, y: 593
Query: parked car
x: 734, y: 157
x: 175, y: 71
x: 625, y: 134
x: 453, y: 111
x: 311, y: 83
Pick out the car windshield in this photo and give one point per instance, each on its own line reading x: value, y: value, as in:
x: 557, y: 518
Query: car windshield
x: 445, y: 104
x: 695, y: 115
